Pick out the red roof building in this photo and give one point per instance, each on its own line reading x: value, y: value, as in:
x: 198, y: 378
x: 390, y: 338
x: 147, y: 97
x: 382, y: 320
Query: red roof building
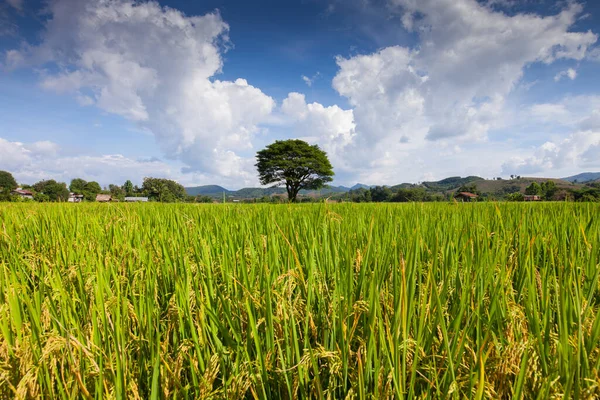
x: 466, y: 196
x: 26, y: 194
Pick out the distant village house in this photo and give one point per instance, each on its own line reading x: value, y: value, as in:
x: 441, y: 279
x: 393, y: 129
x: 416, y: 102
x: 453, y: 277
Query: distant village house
x: 466, y: 196
x: 24, y: 194
x: 103, y: 198
x: 75, y: 198
x: 532, y: 197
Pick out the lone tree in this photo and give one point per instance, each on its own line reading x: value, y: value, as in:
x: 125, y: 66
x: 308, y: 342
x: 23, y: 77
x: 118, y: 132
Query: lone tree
x: 295, y: 164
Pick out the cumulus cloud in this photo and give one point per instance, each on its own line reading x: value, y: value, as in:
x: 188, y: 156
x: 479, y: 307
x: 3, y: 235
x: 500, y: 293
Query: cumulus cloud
x: 575, y: 146
x: 332, y: 127
x: 455, y: 83
x: 154, y: 66
x: 31, y: 162
x: 569, y: 73
x: 578, y: 150
x: 12, y: 154
x: 454, y: 86
x: 573, y: 112
x: 15, y: 154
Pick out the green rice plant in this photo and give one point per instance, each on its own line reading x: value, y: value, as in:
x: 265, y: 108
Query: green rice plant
x: 300, y: 301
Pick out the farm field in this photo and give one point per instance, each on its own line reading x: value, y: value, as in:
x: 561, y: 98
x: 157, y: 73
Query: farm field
x: 300, y: 301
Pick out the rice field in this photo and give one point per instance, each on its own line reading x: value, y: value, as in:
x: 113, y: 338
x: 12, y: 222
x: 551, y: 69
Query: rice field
x: 365, y: 301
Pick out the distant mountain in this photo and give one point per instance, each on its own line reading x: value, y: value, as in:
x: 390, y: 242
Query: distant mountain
x: 360, y: 186
x: 452, y: 182
x: 325, y: 191
x: 583, y: 177
x: 254, y: 193
x: 207, y: 190
x: 404, y: 186
x: 447, y: 185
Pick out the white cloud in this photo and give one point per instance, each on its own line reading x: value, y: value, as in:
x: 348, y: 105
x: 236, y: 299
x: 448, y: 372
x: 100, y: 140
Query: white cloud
x: 455, y: 83
x: 578, y: 117
x: 574, y: 112
x: 332, y: 127
x: 384, y: 90
x: 31, y: 162
x: 546, y: 112
x: 592, y: 121
x: 44, y: 148
x: 154, y: 66
x: 575, y: 125
x: 309, y: 81
x: 15, y: 154
x: 569, y: 73
x: 578, y: 150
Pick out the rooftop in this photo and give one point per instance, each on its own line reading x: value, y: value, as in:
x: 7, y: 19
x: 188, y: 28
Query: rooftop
x: 467, y: 194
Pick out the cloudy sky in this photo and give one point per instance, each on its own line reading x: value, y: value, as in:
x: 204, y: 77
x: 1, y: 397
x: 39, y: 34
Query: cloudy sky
x: 394, y: 90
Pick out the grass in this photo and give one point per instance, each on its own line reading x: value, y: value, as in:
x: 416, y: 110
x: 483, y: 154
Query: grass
x: 302, y: 301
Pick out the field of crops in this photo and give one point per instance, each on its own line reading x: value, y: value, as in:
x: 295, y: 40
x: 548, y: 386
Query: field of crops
x: 299, y: 301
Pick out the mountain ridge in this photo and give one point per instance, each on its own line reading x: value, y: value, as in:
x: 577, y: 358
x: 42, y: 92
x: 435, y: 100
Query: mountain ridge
x: 583, y: 177
x: 448, y: 184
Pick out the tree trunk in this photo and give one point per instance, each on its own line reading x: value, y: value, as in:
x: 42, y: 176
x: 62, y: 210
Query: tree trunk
x: 292, y: 192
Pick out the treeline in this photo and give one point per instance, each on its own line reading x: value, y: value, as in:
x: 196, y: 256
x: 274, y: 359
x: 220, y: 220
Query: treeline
x: 385, y: 194
x: 546, y: 191
x: 169, y: 191
x: 416, y: 193
x: 155, y: 189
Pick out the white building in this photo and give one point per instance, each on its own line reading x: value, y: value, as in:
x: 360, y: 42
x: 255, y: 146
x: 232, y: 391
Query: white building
x: 136, y: 199
x: 75, y: 198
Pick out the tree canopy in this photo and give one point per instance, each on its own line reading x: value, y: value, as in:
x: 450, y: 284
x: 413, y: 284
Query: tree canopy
x: 164, y: 190
x: 295, y: 164
x: 469, y: 188
x: 52, y: 190
x: 534, y: 189
x: 117, y: 192
x: 7, y: 182
x: 128, y: 187
x: 88, y: 189
x: 77, y: 185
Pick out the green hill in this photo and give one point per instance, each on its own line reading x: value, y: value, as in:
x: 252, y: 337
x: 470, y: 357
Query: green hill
x: 207, y: 190
x: 452, y: 182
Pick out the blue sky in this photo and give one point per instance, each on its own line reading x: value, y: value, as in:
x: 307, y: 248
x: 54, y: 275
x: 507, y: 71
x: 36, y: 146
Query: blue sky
x: 394, y: 90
